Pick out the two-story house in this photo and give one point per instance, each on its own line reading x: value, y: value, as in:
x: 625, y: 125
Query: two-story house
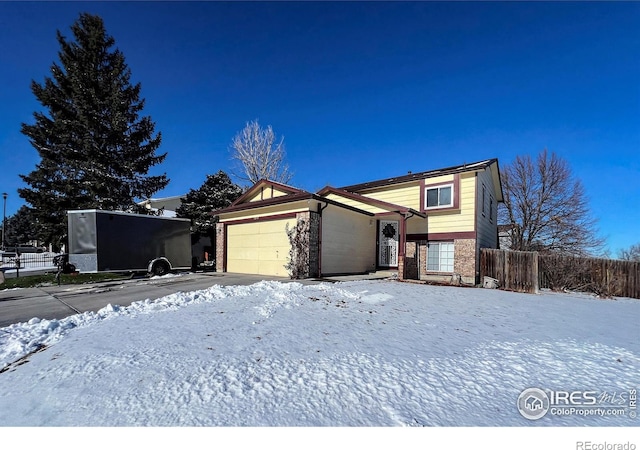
x: 427, y: 225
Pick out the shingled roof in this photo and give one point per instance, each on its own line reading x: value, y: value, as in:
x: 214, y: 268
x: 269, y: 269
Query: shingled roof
x: 480, y: 165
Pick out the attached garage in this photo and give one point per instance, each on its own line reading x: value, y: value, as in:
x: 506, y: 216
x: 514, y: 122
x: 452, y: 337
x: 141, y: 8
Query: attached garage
x: 251, y: 234
x: 259, y: 247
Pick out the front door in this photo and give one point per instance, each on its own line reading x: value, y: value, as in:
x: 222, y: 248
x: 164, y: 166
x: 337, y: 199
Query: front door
x: 388, y: 243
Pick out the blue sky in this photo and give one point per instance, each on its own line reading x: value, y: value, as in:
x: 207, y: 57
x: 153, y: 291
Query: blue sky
x: 362, y: 91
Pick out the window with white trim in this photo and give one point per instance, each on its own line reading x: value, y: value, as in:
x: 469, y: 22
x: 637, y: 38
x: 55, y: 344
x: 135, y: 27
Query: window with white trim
x: 440, y: 257
x: 439, y: 196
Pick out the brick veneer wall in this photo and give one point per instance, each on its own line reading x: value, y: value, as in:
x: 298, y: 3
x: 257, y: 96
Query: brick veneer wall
x: 313, y: 218
x: 464, y: 259
x: 220, y: 247
x: 422, y: 259
x: 314, y: 244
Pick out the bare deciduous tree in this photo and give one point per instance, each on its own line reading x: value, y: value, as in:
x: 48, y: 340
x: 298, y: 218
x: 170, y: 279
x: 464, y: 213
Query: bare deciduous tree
x: 260, y: 156
x: 630, y: 254
x: 547, y: 207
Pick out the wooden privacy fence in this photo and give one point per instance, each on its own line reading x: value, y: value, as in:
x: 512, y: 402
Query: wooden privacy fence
x: 530, y: 271
x: 515, y: 271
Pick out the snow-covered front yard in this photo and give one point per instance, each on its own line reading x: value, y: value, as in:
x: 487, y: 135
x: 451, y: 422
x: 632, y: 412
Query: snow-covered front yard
x: 367, y: 353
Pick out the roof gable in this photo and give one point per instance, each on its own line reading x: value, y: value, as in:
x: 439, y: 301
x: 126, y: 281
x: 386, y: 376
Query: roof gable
x: 267, y: 193
x: 265, y: 190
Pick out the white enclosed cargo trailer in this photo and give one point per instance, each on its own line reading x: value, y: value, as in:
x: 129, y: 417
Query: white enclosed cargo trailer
x: 110, y: 241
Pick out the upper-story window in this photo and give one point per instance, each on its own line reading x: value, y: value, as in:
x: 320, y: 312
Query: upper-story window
x: 439, y: 196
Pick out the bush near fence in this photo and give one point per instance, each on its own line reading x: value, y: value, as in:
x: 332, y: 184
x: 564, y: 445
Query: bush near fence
x: 530, y: 271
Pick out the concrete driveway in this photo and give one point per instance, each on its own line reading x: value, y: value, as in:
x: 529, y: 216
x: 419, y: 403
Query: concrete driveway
x: 57, y: 302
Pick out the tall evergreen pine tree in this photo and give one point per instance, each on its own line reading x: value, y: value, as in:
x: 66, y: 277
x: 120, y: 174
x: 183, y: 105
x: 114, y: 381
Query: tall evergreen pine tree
x: 217, y: 192
x: 21, y: 227
x: 95, y: 148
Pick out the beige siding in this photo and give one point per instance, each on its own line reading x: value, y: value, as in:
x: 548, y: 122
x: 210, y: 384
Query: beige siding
x: 260, y: 247
x: 487, y: 225
x: 460, y: 220
x: 417, y: 225
x: 266, y: 193
x: 355, y: 203
x: 439, y: 179
x: 407, y: 195
x: 348, y: 241
x: 256, y: 197
x: 267, y: 211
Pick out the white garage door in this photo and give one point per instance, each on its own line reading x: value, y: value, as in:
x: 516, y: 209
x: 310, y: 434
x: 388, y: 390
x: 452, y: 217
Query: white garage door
x: 259, y: 247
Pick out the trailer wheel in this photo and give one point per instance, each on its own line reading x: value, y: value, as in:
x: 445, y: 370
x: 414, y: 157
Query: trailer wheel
x: 160, y: 268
